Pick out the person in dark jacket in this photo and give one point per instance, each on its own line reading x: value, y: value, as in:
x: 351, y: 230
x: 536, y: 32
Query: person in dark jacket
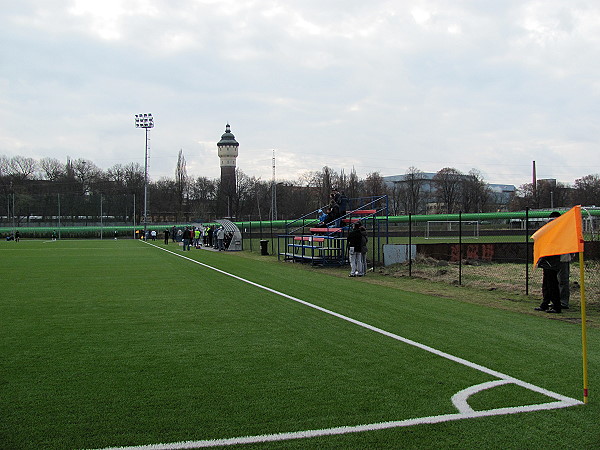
x: 363, y: 252
x: 187, y: 238
x: 355, y: 250
x: 550, y: 266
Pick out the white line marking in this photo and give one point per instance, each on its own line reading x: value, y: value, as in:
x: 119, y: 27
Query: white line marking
x: 343, y: 430
x: 459, y: 399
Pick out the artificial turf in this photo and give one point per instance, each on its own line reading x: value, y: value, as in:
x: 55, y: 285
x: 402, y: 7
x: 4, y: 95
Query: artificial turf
x: 112, y: 343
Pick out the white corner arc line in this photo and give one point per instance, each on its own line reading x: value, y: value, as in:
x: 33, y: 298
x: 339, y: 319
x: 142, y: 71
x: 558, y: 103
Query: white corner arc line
x: 459, y: 399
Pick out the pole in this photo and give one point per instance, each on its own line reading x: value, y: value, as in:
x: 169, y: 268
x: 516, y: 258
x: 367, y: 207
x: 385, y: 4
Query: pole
x: 250, y: 234
x: 527, y: 251
x: 101, y: 221
x: 13, y: 215
x: 58, y: 195
x: 146, y: 185
x: 410, y: 244
x: 133, y: 216
x: 460, y: 248
x: 583, y: 328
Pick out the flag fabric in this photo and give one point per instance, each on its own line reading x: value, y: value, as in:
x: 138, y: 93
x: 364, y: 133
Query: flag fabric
x: 560, y: 236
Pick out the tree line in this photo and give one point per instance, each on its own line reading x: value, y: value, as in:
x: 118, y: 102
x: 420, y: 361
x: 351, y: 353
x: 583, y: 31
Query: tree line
x: 39, y: 188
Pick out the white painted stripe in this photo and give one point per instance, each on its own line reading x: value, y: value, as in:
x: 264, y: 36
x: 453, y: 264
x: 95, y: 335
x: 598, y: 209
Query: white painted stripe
x: 343, y: 430
x: 459, y: 399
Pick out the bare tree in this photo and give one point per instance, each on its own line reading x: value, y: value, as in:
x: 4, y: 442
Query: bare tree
x: 448, y: 184
x: 587, y: 190
x: 551, y: 194
x: 181, y: 179
x: 52, y: 169
x: 21, y: 168
x: 4, y: 163
x: 326, y: 184
x: 245, y: 189
x: 522, y: 198
x: 116, y: 174
x: 85, y: 172
x: 475, y: 192
x: 134, y: 177
x: 410, y: 191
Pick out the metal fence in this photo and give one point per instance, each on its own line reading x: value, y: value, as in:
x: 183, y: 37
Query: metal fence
x: 492, y: 251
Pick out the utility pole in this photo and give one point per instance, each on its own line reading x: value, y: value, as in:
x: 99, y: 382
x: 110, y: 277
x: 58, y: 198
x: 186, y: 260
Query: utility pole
x: 273, y: 193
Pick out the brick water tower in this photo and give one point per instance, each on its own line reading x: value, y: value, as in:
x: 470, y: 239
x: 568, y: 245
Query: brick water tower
x: 228, y: 152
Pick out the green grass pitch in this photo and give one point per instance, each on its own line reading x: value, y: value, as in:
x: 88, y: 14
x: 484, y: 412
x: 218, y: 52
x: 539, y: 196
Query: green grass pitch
x: 120, y: 343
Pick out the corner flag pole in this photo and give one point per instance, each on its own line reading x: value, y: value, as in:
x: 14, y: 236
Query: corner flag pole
x: 583, y: 329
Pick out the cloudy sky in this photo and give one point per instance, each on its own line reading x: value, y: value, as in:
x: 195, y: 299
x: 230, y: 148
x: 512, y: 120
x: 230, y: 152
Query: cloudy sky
x: 376, y: 85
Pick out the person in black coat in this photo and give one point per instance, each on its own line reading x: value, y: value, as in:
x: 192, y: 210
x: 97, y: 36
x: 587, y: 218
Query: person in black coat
x: 355, y: 251
x: 550, y: 266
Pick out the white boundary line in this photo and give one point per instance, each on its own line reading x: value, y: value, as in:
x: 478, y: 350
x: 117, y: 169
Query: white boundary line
x: 459, y: 399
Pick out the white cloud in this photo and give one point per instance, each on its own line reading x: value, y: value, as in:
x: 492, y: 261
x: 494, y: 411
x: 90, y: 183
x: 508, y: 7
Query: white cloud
x: 376, y: 85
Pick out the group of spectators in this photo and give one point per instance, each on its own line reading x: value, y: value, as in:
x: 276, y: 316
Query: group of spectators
x: 197, y: 237
x: 16, y: 236
x: 335, y: 209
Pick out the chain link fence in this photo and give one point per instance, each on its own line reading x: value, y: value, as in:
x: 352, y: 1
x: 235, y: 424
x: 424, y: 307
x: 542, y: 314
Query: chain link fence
x: 493, y: 252
x: 486, y: 251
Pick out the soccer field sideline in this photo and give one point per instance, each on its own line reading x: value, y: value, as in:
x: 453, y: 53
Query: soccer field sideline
x: 460, y: 399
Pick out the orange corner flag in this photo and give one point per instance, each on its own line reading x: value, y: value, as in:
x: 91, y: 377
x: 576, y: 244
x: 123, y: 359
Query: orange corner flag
x: 561, y: 236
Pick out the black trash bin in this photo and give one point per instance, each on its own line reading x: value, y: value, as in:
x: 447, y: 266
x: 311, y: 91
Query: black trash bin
x: 263, y: 247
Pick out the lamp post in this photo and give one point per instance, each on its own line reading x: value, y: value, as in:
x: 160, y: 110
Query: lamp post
x: 145, y: 121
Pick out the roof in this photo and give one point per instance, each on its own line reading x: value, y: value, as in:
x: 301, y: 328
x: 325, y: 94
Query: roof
x: 227, y: 138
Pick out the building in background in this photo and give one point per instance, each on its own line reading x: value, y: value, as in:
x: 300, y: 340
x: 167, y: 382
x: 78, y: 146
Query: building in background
x: 228, y: 152
x: 418, y: 194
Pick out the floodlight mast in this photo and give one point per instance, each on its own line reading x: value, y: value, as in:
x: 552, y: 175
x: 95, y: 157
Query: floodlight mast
x: 145, y: 121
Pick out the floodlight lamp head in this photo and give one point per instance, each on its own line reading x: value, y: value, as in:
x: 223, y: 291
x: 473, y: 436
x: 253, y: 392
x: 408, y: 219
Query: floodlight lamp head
x: 144, y: 121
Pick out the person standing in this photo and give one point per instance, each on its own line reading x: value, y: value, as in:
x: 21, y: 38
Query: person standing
x: 166, y: 236
x: 355, y: 250
x: 563, y: 280
x: 220, y: 238
x: 550, y: 266
x: 187, y: 236
x: 343, y: 204
x: 363, y: 251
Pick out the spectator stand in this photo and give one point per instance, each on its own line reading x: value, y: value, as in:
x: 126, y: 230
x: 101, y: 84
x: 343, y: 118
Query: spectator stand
x: 308, y: 241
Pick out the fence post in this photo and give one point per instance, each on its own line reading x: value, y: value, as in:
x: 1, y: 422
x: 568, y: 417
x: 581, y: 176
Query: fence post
x: 271, y: 233
x: 527, y: 250
x: 58, y: 197
x: 410, y: 245
x: 460, y: 248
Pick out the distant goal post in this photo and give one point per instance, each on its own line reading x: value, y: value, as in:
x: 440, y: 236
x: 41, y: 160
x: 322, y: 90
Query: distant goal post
x: 443, y: 229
